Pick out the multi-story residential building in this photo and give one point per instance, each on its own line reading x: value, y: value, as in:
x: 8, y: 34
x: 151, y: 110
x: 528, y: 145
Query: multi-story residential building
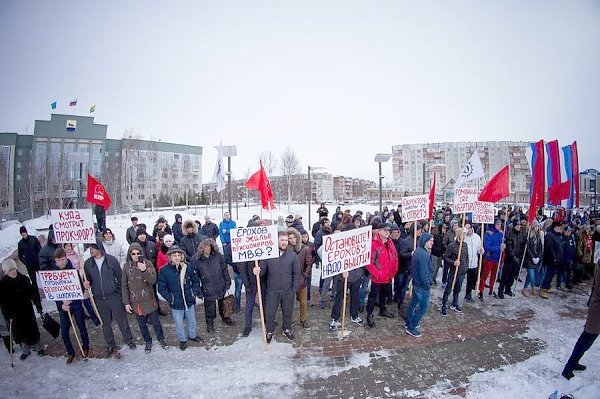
x: 50, y: 167
x: 414, y: 165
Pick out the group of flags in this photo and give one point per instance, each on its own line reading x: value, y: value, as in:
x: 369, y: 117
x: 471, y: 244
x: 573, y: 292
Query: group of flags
x: 554, y: 170
x: 73, y: 103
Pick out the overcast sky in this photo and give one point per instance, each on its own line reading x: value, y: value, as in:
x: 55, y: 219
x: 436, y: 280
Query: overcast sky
x: 339, y: 81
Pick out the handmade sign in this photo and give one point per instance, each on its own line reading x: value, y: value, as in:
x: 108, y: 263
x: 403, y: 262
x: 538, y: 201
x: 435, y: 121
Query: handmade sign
x: 61, y: 285
x: 73, y: 226
x: 254, y: 243
x: 415, y: 207
x: 464, y: 198
x: 483, y: 212
x: 346, y: 251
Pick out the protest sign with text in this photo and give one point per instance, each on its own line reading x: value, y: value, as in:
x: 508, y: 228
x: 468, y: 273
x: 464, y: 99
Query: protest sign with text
x: 254, y: 243
x: 346, y: 251
x: 61, y: 285
x: 415, y: 207
x: 464, y: 199
x: 73, y: 225
x: 483, y: 212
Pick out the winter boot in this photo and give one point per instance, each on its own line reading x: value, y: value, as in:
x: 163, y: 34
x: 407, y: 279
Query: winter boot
x: 370, y: 320
x: 533, y: 292
x: 524, y: 292
x: 148, y: 347
x: 210, y: 326
x: 544, y: 293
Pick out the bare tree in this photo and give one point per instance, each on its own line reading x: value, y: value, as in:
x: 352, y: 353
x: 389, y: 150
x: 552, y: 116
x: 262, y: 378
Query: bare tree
x: 269, y: 161
x: 5, y: 178
x: 290, y: 166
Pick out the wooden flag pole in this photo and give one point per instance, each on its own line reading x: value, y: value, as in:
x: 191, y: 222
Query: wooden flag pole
x: 260, y: 307
x: 12, y: 355
x: 480, y: 259
x: 75, y: 332
x: 92, y: 298
x: 344, y: 303
x: 410, y: 287
x: 462, y: 237
x: 501, y: 260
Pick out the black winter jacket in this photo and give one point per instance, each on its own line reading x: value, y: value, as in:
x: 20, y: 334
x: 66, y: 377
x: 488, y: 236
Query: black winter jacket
x: 213, y: 273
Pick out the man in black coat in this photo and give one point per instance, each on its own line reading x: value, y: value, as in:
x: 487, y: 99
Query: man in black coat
x: 515, y: 248
x: 28, y: 250
x: 46, y: 254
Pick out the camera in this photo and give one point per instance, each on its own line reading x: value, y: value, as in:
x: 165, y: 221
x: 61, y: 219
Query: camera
x: 141, y: 258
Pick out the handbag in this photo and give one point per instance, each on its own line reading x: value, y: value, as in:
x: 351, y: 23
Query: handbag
x: 228, y: 304
x: 51, y: 325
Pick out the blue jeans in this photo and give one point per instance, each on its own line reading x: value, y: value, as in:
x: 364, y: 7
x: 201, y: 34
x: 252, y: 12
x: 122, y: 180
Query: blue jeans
x: 65, y: 326
x: 364, y: 285
x: 400, y: 285
x: 237, y: 279
x: 584, y: 343
x: 190, y: 315
x: 457, y: 287
x: 418, y: 307
x: 531, y: 278
x: 540, y: 275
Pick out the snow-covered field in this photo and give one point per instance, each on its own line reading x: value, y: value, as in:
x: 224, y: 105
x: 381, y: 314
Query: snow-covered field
x: 244, y: 369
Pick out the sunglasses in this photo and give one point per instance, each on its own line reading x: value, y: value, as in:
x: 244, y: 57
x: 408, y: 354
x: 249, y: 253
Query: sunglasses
x: 135, y: 254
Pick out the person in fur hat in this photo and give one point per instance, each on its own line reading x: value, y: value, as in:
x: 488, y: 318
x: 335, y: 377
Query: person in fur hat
x: 214, y: 277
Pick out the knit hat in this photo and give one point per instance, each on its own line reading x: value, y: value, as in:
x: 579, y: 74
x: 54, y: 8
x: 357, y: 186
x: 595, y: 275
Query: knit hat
x: 378, y: 225
x: 168, y: 237
x: 140, y: 231
x: 175, y: 249
x: 107, y: 230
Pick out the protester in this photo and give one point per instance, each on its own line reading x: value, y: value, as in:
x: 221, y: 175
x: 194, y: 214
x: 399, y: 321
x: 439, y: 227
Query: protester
x: 515, y: 247
x: 382, y: 268
x: 306, y: 241
x: 161, y: 225
x: 139, y: 278
x: 46, y: 254
x: 179, y: 285
x: 225, y: 227
x: 437, y: 253
x: 148, y: 247
x: 473, y: 242
x: 249, y: 281
x: 16, y: 298
x: 161, y: 258
x: 213, y: 273
x: 28, y: 251
x: 402, y: 278
x: 458, y: 267
x: 420, y: 270
x: 569, y: 256
x: 210, y: 229
x: 533, y: 257
x: 112, y: 247
x: 493, y: 246
x: 61, y: 262
x: 283, y: 278
x: 304, y: 253
x: 190, y: 241
x: 104, y: 279
x: 100, y: 213
x: 177, y: 229
x: 590, y: 331
x: 324, y: 230
x: 131, y: 233
x: 553, y: 255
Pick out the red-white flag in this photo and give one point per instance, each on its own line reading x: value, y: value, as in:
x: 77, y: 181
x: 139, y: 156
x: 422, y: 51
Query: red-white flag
x: 96, y: 193
x: 498, y: 187
x: 259, y: 181
x: 432, y: 198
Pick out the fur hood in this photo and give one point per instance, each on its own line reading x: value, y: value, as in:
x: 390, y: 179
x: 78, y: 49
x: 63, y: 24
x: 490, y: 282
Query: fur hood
x: 185, y: 223
x: 295, y: 232
x: 213, y: 244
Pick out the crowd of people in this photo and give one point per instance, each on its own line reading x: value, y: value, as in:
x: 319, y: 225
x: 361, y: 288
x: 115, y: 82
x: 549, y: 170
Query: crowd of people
x: 182, y: 265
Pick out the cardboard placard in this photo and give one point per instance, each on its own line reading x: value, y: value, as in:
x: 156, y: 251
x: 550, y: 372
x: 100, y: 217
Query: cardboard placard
x: 415, y: 207
x: 61, y: 285
x: 346, y: 251
x: 464, y: 199
x: 254, y: 243
x: 483, y: 212
x: 73, y: 225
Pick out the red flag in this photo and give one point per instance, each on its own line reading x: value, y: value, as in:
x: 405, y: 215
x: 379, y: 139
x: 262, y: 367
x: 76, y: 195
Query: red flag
x: 259, y: 181
x: 538, y: 180
x: 96, y: 193
x: 432, y: 198
x: 498, y: 187
x: 559, y: 192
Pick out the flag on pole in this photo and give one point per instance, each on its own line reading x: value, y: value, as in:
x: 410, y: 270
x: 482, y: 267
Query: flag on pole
x: 259, y: 181
x: 537, y: 188
x: 432, y: 198
x: 93, y: 108
x: 53, y: 105
x: 96, y: 193
x: 472, y: 170
x: 553, y: 177
x: 219, y: 175
x: 498, y: 187
x: 571, y: 162
x: 73, y: 103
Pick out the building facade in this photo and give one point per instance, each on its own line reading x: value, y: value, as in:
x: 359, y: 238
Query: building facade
x: 414, y: 166
x: 49, y: 168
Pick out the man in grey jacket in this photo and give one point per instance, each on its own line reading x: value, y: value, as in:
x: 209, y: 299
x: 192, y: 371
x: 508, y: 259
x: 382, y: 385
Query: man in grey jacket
x: 104, y: 279
x: 283, y: 281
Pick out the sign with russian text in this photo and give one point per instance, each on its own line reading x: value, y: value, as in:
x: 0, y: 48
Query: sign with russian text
x: 61, y: 285
x: 254, y: 243
x: 415, y: 207
x: 464, y: 198
x: 483, y: 212
x: 73, y: 225
x: 346, y: 251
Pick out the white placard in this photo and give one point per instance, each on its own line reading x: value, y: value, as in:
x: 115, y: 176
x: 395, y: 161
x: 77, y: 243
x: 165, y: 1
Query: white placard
x: 415, y: 207
x: 346, y: 251
x: 73, y: 225
x: 254, y: 243
x: 483, y: 212
x: 464, y: 199
x: 61, y: 285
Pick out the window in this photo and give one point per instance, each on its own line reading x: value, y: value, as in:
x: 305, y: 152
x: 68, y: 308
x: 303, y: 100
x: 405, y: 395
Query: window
x: 19, y: 152
x: 18, y: 165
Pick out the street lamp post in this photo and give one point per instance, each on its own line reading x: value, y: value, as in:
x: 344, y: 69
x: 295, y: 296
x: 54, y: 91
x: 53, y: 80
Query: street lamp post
x: 380, y: 158
x: 310, y: 190
x: 228, y: 151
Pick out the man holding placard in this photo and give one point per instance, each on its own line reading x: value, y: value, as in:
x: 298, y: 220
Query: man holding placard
x: 69, y: 310
x: 458, y: 266
x: 283, y: 281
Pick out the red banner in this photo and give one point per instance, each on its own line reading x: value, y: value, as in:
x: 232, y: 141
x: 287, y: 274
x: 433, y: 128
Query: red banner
x: 96, y: 193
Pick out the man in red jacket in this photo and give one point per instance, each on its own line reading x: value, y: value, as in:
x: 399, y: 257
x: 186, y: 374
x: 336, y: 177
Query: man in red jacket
x: 383, y: 267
